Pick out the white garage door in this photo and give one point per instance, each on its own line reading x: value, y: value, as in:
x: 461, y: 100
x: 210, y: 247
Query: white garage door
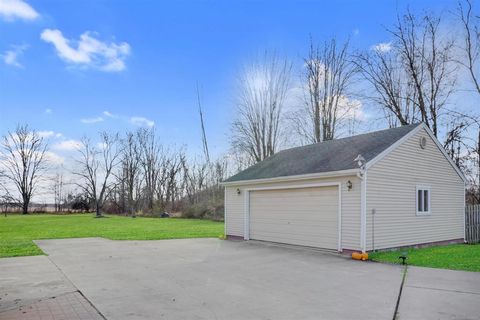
x: 306, y: 216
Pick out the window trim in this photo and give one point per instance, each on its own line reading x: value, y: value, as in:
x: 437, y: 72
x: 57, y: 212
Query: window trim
x: 423, y: 188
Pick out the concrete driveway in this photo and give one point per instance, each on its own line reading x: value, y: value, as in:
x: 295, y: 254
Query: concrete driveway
x: 214, y: 279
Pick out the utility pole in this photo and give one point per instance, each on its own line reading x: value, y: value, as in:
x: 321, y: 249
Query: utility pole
x: 204, y: 136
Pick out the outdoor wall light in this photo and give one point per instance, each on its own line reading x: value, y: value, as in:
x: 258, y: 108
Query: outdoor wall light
x: 349, y: 185
x: 360, y: 161
x: 239, y: 191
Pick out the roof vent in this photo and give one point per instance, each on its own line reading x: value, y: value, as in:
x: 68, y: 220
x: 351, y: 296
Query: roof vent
x: 423, y: 142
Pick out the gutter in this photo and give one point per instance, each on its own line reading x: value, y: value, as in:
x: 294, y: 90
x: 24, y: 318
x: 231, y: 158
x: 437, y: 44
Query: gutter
x: 329, y: 174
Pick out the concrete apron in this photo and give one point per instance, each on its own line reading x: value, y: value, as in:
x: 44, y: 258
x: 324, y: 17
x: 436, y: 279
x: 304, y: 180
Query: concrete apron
x: 209, y: 278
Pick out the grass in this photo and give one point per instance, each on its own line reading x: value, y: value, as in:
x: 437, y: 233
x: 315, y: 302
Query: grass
x: 456, y: 257
x: 18, y: 231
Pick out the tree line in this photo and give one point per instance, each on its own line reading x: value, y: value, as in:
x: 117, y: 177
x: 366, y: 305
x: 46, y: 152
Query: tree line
x: 124, y: 174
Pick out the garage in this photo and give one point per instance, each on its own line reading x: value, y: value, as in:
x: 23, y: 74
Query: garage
x: 300, y: 216
x: 316, y: 195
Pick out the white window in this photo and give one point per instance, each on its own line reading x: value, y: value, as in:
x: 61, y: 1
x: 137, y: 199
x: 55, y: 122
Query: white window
x: 423, y: 200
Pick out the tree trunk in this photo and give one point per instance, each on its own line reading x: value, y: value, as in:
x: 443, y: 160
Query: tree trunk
x: 25, y: 205
x: 98, y: 214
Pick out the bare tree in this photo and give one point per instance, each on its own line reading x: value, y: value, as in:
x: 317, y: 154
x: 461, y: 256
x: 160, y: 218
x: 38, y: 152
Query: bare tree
x: 7, y: 201
x: 195, y: 180
x: 393, y: 91
x: 168, y: 184
x: 471, y: 41
x: 414, y: 76
x: 24, y: 162
x: 58, y: 191
x: 95, y: 167
x: 469, y: 60
x: 131, y: 170
x: 151, y: 152
x: 217, y: 173
x: 257, y: 129
x: 328, y: 78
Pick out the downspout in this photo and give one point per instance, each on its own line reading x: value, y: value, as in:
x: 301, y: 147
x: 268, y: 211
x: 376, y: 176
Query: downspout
x: 363, y: 213
x: 464, y: 212
x: 246, y: 210
x: 225, y: 212
x: 362, y: 174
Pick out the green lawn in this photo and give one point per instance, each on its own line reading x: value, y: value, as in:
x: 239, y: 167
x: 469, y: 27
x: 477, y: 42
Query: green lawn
x: 18, y: 231
x: 455, y: 257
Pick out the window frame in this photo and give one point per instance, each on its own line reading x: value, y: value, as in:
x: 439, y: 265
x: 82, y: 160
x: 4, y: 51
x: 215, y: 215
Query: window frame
x: 429, y: 192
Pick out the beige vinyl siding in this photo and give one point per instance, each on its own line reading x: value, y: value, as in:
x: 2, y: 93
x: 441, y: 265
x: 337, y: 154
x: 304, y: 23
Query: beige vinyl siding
x: 391, y: 191
x: 234, y: 207
x: 302, y: 216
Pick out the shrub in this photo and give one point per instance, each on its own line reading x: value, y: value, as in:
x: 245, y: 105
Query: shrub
x: 204, y: 211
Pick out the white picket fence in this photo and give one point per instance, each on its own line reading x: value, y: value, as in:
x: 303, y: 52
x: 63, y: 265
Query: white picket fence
x: 472, y: 223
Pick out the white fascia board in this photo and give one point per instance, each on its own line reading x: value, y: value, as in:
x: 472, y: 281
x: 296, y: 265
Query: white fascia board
x: 330, y: 174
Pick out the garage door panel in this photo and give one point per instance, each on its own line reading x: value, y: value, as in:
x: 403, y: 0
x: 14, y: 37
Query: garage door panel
x: 294, y: 229
x: 288, y: 210
x: 303, y: 216
x: 286, y: 223
x: 295, y: 239
x: 269, y: 225
x: 298, y: 219
x: 287, y: 235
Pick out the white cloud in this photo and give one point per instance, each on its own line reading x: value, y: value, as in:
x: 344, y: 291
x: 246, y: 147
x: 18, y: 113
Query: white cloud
x: 49, y: 133
x: 142, y: 122
x: 382, y: 47
x: 68, y: 145
x: 48, y: 111
x: 54, y: 158
x: 46, y: 134
x: 89, y: 51
x: 109, y: 114
x: 92, y: 120
x: 13, y: 9
x: 351, y: 108
x: 356, y: 32
x: 10, y: 57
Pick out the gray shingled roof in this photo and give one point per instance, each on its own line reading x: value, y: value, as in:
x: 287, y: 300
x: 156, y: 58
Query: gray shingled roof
x: 326, y: 156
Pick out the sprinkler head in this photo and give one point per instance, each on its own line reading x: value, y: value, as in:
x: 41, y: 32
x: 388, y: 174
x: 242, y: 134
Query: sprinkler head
x: 403, y: 256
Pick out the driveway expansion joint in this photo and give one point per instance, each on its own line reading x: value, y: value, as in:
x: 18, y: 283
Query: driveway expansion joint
x: 77, y: 290
x: 404, y: 276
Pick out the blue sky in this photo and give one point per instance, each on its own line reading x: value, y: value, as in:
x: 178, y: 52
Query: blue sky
x: 146, y: 57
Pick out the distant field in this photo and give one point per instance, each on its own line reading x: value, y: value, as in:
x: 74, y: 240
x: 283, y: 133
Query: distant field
x: 18, y: 231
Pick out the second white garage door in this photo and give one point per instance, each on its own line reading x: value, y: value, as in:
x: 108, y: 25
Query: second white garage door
x: 303, y: 216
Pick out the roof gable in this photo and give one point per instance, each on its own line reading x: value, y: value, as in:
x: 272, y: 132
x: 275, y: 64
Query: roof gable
x: 329, y: 156
x: 412, y: 133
